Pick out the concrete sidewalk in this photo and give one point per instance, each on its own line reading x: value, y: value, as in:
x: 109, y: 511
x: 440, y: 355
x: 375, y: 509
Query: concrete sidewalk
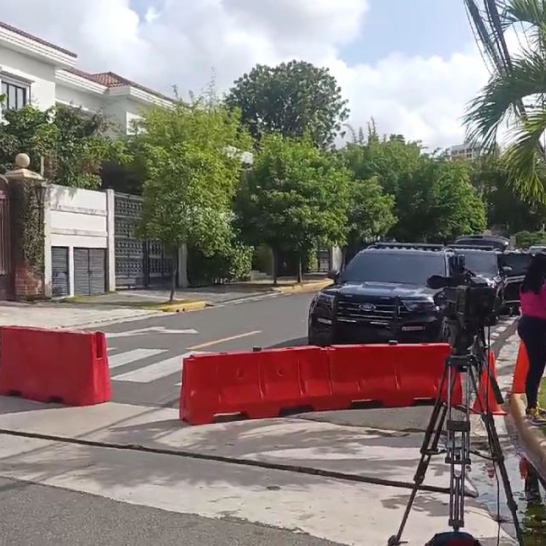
x: 345, y: 484
x: 212, y: 295
x: 57, y: 315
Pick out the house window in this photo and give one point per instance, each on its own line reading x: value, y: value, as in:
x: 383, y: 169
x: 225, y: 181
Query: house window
x: 16, y: 94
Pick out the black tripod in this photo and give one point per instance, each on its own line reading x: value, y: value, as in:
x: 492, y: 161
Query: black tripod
x: 468, y: 362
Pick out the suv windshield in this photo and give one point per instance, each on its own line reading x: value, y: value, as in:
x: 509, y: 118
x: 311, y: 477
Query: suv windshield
x: 482, y: 263
x: 394, y: 267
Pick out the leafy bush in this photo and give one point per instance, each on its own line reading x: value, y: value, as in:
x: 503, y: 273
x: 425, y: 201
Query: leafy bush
x: 232, y: 264
x: 526, y: 239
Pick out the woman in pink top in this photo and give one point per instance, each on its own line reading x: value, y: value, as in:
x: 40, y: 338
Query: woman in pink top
x: 532, y: 331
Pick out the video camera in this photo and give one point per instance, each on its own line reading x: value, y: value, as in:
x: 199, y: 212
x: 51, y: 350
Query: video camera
x: 470, y: 302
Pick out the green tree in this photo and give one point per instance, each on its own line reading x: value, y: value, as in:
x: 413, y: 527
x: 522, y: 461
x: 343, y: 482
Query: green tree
x: 371, y: 212
x: 516, y: 95
x: 193, y: 168
x: 438, y: 203
x: 292, y: 99
x: 389, y: 159
x: 506, y: 210
x: 434, y: 197
x: 295, y: 196
x: 69, y: 145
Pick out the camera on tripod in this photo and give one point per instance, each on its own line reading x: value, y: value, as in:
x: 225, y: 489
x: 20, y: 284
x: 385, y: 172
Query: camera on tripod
x: 470, y: 302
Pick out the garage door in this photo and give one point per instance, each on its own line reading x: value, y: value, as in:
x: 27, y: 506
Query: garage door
x: 89, y: 271
x: 59, y: 259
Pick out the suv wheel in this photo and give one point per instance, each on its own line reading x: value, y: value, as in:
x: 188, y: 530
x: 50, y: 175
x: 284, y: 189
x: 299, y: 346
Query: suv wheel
x: 445, y: 331
x: 314, y: 340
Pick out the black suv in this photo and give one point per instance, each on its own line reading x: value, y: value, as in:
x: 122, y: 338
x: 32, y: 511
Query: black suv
x: 504, y: 270
x: 382, y: 296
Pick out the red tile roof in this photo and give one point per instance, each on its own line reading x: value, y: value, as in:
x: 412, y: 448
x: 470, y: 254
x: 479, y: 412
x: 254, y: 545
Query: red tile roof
x: 36, y: 39
x: 110, y: 79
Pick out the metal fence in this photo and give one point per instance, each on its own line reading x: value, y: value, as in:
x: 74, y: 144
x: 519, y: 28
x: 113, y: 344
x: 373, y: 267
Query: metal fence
x: 139, y: 264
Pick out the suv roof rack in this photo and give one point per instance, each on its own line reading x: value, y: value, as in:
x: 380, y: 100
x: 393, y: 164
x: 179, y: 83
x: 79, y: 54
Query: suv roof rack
x: 414, y: 246
x: 471, y: 247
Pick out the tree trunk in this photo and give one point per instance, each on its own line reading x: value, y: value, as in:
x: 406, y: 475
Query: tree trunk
x: 173, y: 276
x: 183, y: 279
x: 300, y: 269
x: 275, y: 255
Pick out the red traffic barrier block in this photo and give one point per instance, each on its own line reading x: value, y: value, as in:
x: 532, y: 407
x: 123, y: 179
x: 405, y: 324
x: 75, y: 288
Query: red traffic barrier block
x: 255, y: 385
x: 55, y: 366
x: 389, y: 375
x: 362, y: 375
x: 419, y: 373
x: 271, y: 383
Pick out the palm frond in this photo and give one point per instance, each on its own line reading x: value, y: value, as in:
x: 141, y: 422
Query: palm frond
x: 524, y: 160
x: 530, y: 17
x: 502, y: 97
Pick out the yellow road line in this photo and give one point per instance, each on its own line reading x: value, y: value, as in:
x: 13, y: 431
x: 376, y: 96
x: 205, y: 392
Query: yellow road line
x: 223, y: 340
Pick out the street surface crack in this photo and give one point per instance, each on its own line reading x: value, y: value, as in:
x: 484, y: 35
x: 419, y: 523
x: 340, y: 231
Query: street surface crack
x: 233, y: 461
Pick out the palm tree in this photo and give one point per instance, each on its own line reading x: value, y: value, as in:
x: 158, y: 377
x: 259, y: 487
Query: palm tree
x: 515, y: 96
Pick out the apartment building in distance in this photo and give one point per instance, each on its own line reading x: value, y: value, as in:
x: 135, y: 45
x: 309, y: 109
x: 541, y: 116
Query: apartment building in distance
x: 464, y: 151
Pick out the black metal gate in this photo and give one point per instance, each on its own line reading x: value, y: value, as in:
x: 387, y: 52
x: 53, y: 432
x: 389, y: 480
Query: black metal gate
x: 129, y: 249
x: 139, y: 264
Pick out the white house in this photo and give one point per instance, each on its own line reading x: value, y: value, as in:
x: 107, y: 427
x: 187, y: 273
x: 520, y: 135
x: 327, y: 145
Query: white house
x: 35, y: 71
x: 79, y: 224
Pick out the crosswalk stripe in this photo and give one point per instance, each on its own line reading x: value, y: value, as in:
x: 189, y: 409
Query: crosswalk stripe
x: 133, y: 356
x: 153, y: 372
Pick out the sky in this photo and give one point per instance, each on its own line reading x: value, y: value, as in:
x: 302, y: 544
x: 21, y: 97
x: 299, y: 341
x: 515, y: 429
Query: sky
x: 411, y: 65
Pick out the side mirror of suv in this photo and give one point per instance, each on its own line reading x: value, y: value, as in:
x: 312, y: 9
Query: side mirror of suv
x: 334, y: 274
x: 506, y: 269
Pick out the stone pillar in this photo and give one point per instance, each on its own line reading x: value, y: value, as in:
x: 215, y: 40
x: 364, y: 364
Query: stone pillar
x: 28, y: 230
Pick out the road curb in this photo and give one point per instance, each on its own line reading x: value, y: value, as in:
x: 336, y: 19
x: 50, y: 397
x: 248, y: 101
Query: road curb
x: 182, y: 307
x: 303, y: 288
x: 532, y: 437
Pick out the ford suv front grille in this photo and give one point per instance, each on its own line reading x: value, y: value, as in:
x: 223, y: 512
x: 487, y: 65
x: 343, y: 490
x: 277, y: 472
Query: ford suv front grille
x: 366, y: 309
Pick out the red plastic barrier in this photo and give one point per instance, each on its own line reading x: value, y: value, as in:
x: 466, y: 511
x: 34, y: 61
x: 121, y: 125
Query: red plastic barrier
x: 269, y: 383
x: 55, y: 366
x: 389, y: 375
x: 256, y: 385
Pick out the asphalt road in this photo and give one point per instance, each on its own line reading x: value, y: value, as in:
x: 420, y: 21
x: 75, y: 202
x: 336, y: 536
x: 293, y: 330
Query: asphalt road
x: 145, y: 355
x: 37, y: 515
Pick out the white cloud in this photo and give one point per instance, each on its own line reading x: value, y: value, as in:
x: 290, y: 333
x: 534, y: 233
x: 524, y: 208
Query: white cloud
x: 181, y: 42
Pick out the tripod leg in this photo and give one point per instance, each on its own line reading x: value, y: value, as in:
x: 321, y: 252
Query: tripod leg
x: 498, y: 457
x: 428, y: 449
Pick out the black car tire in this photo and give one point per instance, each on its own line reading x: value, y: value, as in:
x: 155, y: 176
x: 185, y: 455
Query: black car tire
x: 444, y: 334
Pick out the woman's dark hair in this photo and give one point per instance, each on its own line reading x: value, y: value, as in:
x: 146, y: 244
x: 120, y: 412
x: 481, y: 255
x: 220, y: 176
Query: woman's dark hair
x: 536, y: 275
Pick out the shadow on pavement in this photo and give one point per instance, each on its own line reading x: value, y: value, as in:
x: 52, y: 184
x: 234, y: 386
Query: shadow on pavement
x: 298, y: 342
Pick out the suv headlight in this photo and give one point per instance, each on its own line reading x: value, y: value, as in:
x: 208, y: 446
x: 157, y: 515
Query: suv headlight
x: 420, y: 305
x: 325, y: 299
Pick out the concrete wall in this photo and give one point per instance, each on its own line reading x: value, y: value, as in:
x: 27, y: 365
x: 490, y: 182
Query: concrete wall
x: 123, y: 111
x: 39, y: 75
x: 77, y: 218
